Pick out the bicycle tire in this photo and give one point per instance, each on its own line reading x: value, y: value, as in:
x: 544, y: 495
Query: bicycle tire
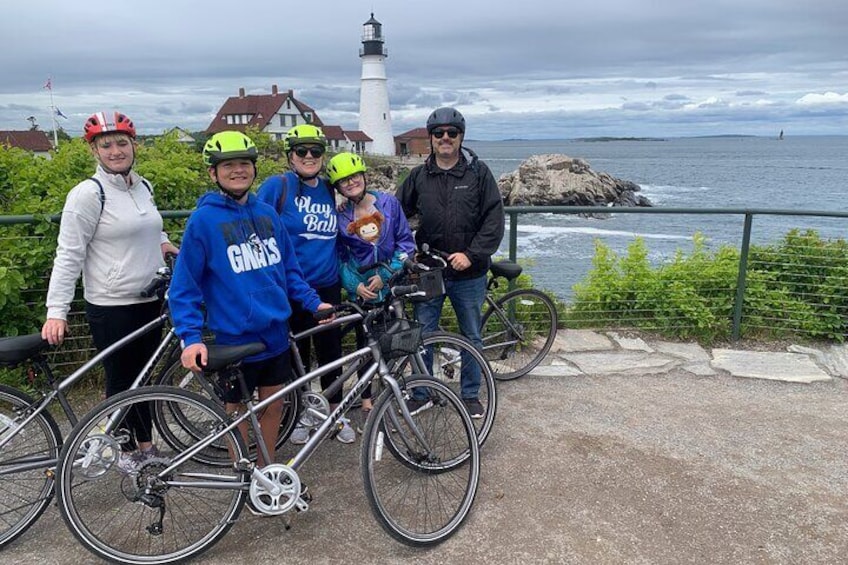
x: 26, y: 494
x: 512, y: 356
x: 182, y: 378
x: 114, y: 515
x: 425, y: 503
x: 451, y: 352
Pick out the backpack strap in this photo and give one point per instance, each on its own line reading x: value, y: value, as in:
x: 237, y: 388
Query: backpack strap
x: 103, y: 192
x: 281, y: 201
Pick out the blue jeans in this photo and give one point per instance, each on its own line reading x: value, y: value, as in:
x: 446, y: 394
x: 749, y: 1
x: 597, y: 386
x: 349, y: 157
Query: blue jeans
x: 466, y: 296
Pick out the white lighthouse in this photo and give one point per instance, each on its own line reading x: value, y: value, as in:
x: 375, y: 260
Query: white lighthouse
x: 375, y: 118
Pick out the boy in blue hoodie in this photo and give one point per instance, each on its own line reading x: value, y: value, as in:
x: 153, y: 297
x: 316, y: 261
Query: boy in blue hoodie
x: 238, y: 261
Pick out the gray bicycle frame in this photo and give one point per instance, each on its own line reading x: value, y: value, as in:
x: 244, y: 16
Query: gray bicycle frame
x: 58, y: 390
x: 377, y: 366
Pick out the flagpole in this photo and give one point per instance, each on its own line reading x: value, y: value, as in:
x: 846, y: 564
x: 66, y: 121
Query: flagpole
x: 53, y: 113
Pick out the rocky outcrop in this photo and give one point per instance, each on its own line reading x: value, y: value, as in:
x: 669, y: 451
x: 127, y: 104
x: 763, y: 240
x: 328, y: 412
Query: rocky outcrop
x: 560, y: 180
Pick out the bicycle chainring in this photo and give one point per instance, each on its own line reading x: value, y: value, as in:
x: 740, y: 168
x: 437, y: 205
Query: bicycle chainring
x: 282, y: 496
x: 96, y: 455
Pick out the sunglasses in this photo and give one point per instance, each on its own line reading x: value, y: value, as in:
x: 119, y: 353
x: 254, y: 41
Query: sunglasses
x: 438, y: 133
x: 315, y: 152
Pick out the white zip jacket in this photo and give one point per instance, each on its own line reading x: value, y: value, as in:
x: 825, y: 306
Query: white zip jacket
x: 118, y: 251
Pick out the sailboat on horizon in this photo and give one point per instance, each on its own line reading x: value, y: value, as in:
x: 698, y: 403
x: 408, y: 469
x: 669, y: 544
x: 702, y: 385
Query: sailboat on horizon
x: 780, y: 136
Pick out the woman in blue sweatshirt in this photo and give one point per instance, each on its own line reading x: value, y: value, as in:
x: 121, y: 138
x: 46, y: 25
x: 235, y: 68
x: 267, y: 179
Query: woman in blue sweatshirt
x: 237, y: 260
x: 307, y: 208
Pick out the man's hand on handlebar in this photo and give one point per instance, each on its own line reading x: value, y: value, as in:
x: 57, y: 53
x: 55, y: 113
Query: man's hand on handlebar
x: 325, y: 317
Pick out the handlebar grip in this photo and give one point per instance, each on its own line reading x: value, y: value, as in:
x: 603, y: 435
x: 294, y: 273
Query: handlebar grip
x: 404, y: 289
x: 152, y: 288
x: 324, y: 314
x: 365, y: 268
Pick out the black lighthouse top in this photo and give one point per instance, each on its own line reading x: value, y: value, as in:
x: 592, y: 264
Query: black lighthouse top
x: 372, y: 38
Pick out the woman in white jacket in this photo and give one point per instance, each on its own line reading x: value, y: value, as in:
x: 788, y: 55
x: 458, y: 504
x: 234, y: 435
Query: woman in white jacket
x: 111, y: 232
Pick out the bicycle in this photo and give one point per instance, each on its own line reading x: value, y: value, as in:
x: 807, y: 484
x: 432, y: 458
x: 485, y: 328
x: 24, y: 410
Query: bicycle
x: 517, y: 328
x: 30, y: 437
x: 446, y: 356
x: 177, y: 506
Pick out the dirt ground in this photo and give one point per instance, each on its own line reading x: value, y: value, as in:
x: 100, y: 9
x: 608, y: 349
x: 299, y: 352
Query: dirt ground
x: 669, y: 469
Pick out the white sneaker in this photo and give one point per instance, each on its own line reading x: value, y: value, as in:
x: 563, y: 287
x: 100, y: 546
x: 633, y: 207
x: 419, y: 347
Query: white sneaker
x: 300, y: 435
x: 346, y: 434
x: 129, y: 462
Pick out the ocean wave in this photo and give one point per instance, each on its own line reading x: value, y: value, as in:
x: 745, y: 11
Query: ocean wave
x: 535, y: 230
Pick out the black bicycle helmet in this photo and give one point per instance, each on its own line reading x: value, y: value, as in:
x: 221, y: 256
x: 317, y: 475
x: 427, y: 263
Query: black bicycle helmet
x: 445, y: 117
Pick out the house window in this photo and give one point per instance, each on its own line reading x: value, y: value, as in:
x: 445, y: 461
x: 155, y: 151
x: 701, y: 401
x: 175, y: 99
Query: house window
x: 229, y: 119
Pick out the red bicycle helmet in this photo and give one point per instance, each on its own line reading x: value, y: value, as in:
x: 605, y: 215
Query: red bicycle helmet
x: 98, y: 124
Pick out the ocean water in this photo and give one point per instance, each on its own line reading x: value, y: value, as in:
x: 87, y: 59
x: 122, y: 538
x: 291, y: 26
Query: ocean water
x: 796, y: 173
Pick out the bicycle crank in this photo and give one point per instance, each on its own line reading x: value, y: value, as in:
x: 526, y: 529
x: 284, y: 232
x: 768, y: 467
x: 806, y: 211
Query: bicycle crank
x: 276, y: 489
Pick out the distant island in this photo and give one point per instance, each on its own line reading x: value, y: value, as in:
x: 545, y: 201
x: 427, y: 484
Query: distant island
x: 595, y: 139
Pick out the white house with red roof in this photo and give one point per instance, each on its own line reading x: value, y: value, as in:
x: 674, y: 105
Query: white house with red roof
x: 29, y: 140
x: 278, y: 112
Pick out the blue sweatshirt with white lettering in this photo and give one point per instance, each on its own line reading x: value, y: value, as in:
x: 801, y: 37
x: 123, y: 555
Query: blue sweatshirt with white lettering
x: 308, y: 214
x: 237, y: 260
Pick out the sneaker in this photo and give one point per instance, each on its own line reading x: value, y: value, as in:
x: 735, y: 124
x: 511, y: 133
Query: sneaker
x: 150, y: 453
x: 415, y: 405
x: 346, y: 434
x: 129, y: 462
x: 300, y: 435
x: 475, y: 409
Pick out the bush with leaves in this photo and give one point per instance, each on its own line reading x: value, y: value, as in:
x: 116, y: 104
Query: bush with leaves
x: 796, y: 287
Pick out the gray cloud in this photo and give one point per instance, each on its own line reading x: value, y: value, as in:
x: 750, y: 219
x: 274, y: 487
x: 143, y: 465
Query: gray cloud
x: 539, y: 69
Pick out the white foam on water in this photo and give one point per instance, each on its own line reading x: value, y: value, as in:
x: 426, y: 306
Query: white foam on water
x: 535, y: 230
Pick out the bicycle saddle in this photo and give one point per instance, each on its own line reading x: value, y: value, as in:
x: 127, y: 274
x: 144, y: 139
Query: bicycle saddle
x: 222, y: 355
x: 506, y: 269
x: 13, y: 350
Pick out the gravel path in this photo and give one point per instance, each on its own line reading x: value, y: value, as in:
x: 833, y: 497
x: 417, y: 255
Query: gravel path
x: 660, y: 469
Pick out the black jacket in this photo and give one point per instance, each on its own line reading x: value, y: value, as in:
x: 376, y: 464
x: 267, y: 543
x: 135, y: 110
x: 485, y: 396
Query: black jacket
x: 460, y: 210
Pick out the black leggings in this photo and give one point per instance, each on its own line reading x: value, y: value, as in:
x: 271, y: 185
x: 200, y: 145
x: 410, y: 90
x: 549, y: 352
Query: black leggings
x: 108, y: 324
x: 328, y: 344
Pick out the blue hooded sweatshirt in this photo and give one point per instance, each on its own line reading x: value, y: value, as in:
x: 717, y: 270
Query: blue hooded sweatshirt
x: 309, y: 216
x: 238, y: 260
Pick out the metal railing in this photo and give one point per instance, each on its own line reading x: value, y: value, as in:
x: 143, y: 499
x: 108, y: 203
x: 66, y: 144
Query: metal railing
x: 515, y: 253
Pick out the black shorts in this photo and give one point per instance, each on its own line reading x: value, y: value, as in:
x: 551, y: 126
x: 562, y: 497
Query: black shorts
x: 268, y: 372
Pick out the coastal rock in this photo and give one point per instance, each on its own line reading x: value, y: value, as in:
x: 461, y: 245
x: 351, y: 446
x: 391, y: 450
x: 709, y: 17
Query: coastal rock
x: 560, y: 180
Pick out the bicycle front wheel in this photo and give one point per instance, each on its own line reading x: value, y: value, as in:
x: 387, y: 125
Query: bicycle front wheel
x: 452, y: 359
x: 420, y: 476
x: 159, y: 510
x: 180, y: 377
x: 26, y: 486
x: 518, y: 331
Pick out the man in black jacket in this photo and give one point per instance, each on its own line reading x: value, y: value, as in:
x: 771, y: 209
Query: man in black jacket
x: 460, y: 211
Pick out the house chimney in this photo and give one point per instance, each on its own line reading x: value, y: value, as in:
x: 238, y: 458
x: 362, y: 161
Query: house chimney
x: 241, y: 92
x: 273, y: 90
x: 291, y: 93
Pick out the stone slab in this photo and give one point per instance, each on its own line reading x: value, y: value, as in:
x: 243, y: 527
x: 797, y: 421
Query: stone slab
x: 688, y: 351
x: 630, y: 343
x: 789, y: 367
x: 569, y: 341
x: 833, y: 358
x: 622, y: 363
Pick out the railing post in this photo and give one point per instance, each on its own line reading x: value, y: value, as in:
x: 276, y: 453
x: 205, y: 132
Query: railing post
x: 741, y: 277
x: 513, y: 236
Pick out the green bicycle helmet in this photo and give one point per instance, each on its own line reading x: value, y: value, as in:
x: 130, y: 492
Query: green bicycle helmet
x: 344, y: 165
x: 227, y: 145
x: 305, y: 134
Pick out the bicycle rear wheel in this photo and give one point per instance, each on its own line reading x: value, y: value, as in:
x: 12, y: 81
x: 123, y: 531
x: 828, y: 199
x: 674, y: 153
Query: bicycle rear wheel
x: 26, y: 486
x: 454, y: 356
x: 180, y: 377
x: 156, y: 514
x: 518, y: 331
x: 423, y: 489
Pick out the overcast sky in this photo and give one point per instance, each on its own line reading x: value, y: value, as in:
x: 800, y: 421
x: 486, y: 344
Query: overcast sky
x: 531, y: 69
